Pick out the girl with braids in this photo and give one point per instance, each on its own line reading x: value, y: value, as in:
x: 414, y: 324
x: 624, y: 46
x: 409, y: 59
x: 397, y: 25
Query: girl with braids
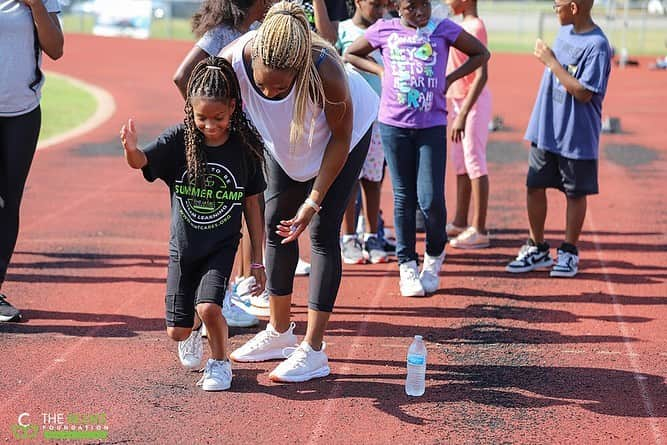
x: 213, y: 165
x: 315, y: 119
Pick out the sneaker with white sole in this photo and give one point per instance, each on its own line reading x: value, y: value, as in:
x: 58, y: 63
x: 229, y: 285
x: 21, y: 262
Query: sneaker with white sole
x: 430, y: 274
x: 471, y: 239
x: 352, y: 252
x: 302, y: 365
x: 530, y: 257
x: 235, y: 316
x: 257, y: 305
x: 567, y: 265
x: 453, y: 230
x: 266, y: 345
x: 302, y: 268
x: 191, y: 350
x: 410, y: 285
x: 7, y: 311
x: 374, y: 252
x: 244, y: 285
x: 217, y: 375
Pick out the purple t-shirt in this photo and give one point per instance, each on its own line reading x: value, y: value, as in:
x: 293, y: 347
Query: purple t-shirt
x: 413, y: 85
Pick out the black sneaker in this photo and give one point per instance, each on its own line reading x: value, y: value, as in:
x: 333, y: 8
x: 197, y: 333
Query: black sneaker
x: 530, y: 258
x: 7, y: 311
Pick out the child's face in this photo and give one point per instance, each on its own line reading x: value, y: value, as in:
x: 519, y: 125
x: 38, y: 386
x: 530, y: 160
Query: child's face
x: 565, y: 10
x: 212, y: 118
x: 371, y: 10
x: 274, y: 84
x: 416, y: 13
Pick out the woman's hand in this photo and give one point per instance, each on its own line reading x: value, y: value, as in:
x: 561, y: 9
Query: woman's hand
x: 292, y: 228
x: 458, y: 128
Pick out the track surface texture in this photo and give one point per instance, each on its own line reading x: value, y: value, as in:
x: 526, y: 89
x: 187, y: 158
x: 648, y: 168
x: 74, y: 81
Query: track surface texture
x: 512, y: 359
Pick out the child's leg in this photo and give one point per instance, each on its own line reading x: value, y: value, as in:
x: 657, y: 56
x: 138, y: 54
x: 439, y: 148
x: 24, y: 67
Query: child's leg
x: 371, y: 179
x: 536, y: 203
x: 576, y: 212
x: 371, y: 203
x: 463, y: 191
x: 179, y: 301
x: 480, y: 196
x: 216, y: 327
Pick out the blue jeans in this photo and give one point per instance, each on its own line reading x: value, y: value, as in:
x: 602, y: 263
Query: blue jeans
x: 416, y: 160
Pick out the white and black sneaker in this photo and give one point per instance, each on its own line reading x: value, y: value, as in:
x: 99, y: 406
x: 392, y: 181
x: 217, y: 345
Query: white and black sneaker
x: 7, y: 311
x: 567, y: 265
x: 530, y: 257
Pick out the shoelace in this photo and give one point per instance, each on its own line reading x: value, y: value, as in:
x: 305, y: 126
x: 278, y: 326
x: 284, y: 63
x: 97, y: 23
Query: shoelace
x: 261, y: 339
x: 411, y: 274
x: 523, y: 252
x: 191, y: 346
x: 208, y: 370
x: 297, y: 356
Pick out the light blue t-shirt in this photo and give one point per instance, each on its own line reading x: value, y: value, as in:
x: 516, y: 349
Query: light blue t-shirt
x: 348, y: 32
x: 215, y: 39
x: 17, y: 58
x: 560, y: 123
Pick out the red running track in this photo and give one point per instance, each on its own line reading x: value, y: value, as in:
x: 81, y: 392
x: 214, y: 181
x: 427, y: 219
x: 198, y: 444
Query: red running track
x: 523, y: 359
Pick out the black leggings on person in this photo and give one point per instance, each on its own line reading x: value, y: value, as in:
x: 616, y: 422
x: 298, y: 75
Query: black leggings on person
x: 284, y: 196
x: 18, y: 141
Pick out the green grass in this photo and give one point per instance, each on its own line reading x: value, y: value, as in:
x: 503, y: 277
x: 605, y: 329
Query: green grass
x: 64, y: 106
x: 177, y: 29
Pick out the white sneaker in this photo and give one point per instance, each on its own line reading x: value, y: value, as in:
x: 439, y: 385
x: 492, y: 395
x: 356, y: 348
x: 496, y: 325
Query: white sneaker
x: 302, y: 268
x: 410, y: 284
x: 235, y: 316
x: 259, y: 305
x: 429, y: 275
x: 190, y: 350
x: 217, y: 375
x: 567, y: 265
x: 244, y: 286
x: 266, y: 345
x: 302, y: 365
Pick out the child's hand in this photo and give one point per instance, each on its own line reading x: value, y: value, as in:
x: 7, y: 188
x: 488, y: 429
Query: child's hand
x: 128, y: 136
x: 260, y: 281
x: 543, y: 52
x: 458, y: 128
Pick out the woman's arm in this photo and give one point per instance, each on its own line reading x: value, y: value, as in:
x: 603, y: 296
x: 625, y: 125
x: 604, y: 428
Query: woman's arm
x: 477, y: 56
x: 49, y: 33
x: 339, y: 115
x: 252, y: 211
x: 182, y: 75
x: 357, y: 55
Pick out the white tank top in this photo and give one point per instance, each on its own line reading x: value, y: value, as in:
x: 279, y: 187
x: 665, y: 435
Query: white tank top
x: 273, y: 118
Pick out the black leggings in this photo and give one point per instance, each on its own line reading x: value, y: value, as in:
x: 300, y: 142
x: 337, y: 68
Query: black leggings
x: 18, y: 142
x: 284, y: 196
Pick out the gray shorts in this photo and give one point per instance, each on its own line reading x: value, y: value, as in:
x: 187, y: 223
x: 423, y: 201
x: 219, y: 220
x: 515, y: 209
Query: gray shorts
x: 574, y: 177
x: 190, y: 283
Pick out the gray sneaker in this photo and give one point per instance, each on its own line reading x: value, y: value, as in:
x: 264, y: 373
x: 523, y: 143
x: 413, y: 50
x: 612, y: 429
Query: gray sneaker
x: 374, y: 251
x: 7, y: 311
x: 352, y: 252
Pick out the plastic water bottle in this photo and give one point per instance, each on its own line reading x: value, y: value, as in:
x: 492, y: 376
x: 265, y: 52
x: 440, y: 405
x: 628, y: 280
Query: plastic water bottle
x: 415, y: 382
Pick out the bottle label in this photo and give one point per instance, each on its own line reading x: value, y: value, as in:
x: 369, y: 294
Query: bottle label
x: 416, y: 359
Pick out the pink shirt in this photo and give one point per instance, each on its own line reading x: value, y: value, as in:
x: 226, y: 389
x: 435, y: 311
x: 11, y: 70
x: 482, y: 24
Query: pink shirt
x: 460, y: 88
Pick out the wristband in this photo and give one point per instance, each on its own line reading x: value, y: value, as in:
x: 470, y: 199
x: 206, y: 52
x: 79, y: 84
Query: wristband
x: 256, y: 266
x: 313, y: 205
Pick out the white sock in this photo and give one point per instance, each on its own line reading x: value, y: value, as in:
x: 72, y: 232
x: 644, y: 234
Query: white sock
x: 347, y: 238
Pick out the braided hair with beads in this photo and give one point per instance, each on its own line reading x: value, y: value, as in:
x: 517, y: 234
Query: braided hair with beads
x: 215, y: 79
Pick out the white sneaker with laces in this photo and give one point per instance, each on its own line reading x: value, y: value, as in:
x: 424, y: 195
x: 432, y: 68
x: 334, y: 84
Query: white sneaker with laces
x: 430, y: 274
x: 567, y: 265
x: 235, y: 316
x: 302, y: 268
x: 266, y: 345
x: 191, y: 350
x: 302, y: 365
x: 410, y: 284
x: 217, y: 375
x: 244, y: 286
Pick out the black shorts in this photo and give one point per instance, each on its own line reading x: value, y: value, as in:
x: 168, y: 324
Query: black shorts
x: 574, y: 177
x: 194, y: 282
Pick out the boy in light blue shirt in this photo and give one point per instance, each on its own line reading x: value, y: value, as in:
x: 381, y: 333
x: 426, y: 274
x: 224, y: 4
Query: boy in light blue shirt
x: 564, y: 132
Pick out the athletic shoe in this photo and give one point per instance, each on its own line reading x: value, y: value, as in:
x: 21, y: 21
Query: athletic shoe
x: 259, y: 305
x: 454, y: 230
x: 373, y: 251
x: 430, y: 274
x: 7, y: 311
x: 389, y: 242
x: 266, y: 345
x: 244, y: 285
x: 302, y: 268
x: 217, y: 375
x: 190, y: 350
x: 302, y: 365
x: 529, y: 258
x: 352, y: 252
x: 410, y: 285
x: 471, y: 239
x: 567, y: 265
x: 235, y: 316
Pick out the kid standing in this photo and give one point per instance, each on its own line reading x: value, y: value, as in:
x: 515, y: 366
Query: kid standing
x: 370, y: 248
x: 469, y: 133
x: 413, y: 121
x: 564, y: 133
x: 213, y: 166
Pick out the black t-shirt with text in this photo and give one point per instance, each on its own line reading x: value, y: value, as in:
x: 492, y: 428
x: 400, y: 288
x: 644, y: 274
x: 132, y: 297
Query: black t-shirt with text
x: 204, y: 219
